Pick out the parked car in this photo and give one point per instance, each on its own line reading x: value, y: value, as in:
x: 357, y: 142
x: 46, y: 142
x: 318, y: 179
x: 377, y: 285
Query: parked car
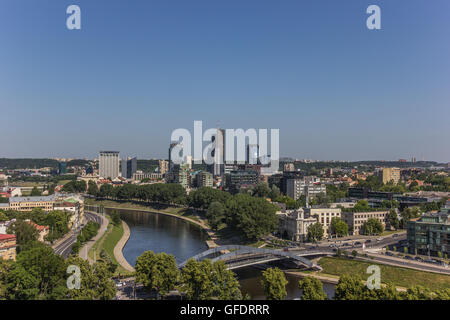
x: 357, y: 243
x: 395, y: 235
x: 418, y: 259
x: 368, y: 241
x: 379, y: 239
x: 389, y: 254
x: 408, y: 258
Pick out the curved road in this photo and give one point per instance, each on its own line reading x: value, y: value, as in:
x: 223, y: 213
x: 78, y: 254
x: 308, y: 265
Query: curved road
x: 64, y: 248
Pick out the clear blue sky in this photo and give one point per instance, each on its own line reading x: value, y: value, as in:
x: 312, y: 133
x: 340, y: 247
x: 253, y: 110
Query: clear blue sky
x: 139, y: 69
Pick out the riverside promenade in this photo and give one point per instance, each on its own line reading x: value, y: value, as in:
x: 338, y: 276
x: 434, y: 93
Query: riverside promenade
x: 118, y: 254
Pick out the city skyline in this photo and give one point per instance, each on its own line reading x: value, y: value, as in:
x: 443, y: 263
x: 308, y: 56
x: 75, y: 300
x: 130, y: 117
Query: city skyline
x: 137, y: 71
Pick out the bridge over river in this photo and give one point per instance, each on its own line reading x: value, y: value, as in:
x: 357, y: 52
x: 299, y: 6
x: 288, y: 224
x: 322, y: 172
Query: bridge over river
x: 237, y: 256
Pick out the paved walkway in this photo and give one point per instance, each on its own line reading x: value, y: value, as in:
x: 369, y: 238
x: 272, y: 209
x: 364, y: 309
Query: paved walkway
x: 85, y: 249
x: 118, y: 254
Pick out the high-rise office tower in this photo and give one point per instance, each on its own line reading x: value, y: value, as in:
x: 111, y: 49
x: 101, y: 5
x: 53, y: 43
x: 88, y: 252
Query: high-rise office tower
x: 219, y: 152
x: 171, y: 164
x: 109, y: 164
x: 252, y: 154
x: 129, y: 167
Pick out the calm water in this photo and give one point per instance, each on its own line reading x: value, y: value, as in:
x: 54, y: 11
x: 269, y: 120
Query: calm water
x: 161, y: 233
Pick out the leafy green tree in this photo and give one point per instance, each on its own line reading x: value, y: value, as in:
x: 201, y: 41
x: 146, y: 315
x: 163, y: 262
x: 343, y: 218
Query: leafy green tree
x: 25, y: 233
x: 35, y: 192
x: 274, y: 283
x: 205, y: 280
x: 115, y: 217
x: 253, y: 217
x: 315, y: 232
x: 339, y: 227
x: 354, y: 253
x: 393, y: 219
x: 95, y: 284
x: 349, y: 288
x: 92, y: 188
x: 261, y: 190
x: 288, y: 201
x: 312, y: 289
x: 274, y: 192
x: 215, y: 214
x: 362, y: 206
x: 157, y: 271
x: 372, y: 226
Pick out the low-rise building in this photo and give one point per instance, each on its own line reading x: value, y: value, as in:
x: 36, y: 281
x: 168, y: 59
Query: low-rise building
x: 204, y: 179
x: 293, y: 224
x: 29, y: 203
x: 8, y: 247
x: 324, y: 216
x: 355, y: 220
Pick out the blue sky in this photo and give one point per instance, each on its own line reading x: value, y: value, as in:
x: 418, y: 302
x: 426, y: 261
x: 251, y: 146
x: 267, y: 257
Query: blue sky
x: 139, y: 69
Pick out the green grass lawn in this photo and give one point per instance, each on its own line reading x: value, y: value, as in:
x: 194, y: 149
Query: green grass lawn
x: 400, y: 277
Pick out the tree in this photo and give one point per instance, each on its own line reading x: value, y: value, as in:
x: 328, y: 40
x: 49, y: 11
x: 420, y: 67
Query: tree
x: 372, y: 226
x: 205, y: 280
x: 35, y: 192
x: 339, y: 227
x: 95, y: 281
x: 261, y: 190
x: 157, y: 271
x: 215, y: 214
x: 393, y: 219
x: 25, y: 233
x: 253, y: 217
x: 349, y: 288
x: 274, y: 283
x: 354, y: 253
x: 115, y: 217
x: 315, y: 232
x: 362, y: 206
x: 312, y: 289
x: 274, y: 192
x: 92, y: 188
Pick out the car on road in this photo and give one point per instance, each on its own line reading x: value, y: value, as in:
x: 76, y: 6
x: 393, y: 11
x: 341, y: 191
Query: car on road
x: 389, y: 254
x: 379, y: 239
x: 408, y: 258
x: 395, y: 235
x: 368, y: 241
x: 418, y: 259
x: 332, y: 245
x: 357, y: 243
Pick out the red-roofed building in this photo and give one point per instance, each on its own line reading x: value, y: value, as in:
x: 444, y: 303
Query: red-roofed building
x: 42, y: 230
x: 8, y: 247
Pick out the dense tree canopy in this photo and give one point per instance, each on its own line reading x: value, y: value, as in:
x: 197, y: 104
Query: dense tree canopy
x: 274, y: 283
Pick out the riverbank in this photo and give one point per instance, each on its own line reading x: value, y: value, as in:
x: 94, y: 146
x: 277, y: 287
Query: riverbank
x: 400, y: 277
x: 118, y: 253
x: 176, y: 212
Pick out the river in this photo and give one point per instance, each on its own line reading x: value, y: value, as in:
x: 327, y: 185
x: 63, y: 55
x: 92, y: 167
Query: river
x: 162, y: 233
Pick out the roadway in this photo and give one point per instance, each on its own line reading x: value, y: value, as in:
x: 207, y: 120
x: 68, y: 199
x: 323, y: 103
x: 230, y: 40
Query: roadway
x: 64, y: 248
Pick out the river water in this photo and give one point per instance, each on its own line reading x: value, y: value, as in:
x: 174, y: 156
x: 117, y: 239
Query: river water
x: 161, y: 233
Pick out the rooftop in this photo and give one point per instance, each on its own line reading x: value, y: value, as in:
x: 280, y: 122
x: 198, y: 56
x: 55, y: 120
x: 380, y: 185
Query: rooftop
x: 33, y: 199
x: 7, y: 236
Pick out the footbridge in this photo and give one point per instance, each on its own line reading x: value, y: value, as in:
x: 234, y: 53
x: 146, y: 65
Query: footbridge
x: 236, y: 256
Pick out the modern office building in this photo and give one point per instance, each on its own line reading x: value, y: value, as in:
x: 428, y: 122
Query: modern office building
x: 242, y: 178
x: 218, y: 153
x: 390, y: 174
x: 296, y: 187
x: 429, y: 234
x: 109, y: 164
x: 171, y: 147
x: 204, y: 179
x: 293, y: 225
x: 355, y: 220
x: 129, y: 167
x: 252, y: 154
x: 62, y: 168
x: 324, y: 216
